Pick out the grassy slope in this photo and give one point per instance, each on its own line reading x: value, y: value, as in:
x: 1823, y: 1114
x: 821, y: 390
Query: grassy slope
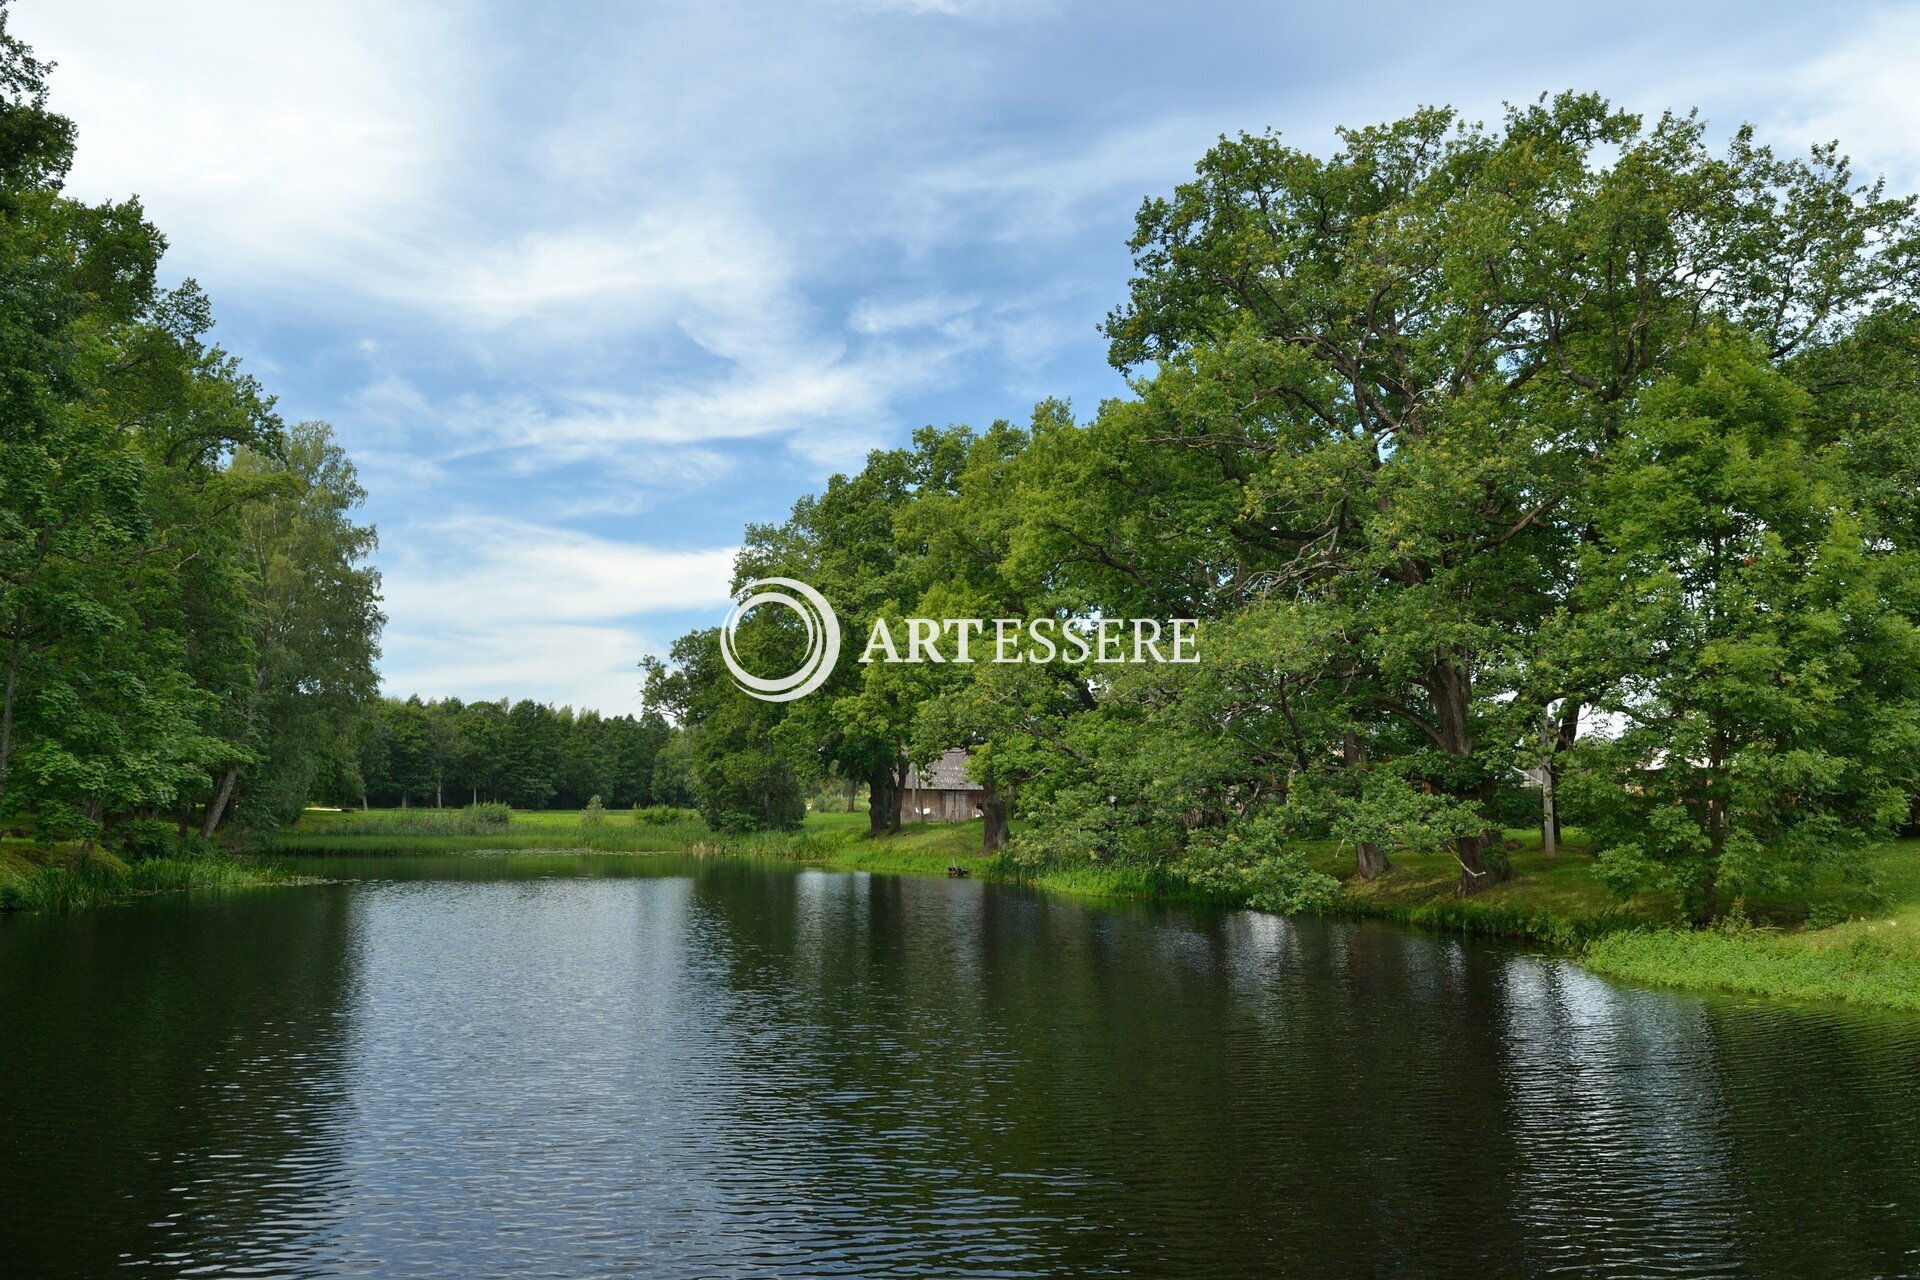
x: 1873, y: 958
x: 39, y: 877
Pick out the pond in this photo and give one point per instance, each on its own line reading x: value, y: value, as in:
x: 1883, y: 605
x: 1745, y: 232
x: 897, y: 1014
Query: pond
x: 538, y: 1066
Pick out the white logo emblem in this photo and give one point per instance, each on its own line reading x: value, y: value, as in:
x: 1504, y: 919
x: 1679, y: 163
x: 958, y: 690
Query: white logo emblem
x: 823, y: 641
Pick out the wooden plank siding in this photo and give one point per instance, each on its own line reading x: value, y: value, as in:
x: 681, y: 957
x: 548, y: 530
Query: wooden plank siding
x: 942, y: 792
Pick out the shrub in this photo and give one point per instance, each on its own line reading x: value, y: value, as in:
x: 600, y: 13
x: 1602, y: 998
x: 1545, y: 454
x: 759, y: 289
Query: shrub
x: 490, y: 814
x: 138, y: 839
x: 1253, y: 862
x: 663, y: 815
x: 595, y: 814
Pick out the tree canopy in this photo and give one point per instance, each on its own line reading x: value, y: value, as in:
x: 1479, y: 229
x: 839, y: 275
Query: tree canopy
x: 187, y: 616
x: 1572, y: 450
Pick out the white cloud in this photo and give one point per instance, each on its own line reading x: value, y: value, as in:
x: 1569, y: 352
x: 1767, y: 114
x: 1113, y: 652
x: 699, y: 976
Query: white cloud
x: 672, y: 267
x: 1035, y: 191
x: 481, y: 606
x: 978, y: 10
x: 1865, y: 92
x: 486, y: 565
x: 581, y: 666
x: 929, y: 311
x: 296, y: 135
x: 818, y: 399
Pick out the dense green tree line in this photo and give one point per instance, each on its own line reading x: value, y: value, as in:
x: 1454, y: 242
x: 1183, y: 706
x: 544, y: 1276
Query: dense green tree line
x: 187, y: 621
x: 524, y: 754
x: 1573, y: 446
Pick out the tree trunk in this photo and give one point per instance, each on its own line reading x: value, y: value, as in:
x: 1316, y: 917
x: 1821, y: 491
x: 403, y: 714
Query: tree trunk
x: 1369, y: 859
x: 1450, y: 685
x: 1480, y: 865
x: 881, y: 801
x: 1569, y: 735
x: 438, y: 801
x: 993, y: 809
x: 894, y: 817
x: 1550, y: 734
x: 217, y: 808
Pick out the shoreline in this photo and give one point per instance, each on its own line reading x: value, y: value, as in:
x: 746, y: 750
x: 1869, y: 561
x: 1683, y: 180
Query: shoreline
x: 1868, y: 956
x: 55, y: 879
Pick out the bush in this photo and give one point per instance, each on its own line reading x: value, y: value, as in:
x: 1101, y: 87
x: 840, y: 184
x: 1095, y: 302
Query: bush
x: 490, y: 814
x: 138, y: 839
x: 595, y: 814
x: 663, y: 815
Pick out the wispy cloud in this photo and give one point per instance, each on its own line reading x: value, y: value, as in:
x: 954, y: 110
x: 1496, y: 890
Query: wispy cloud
x: 513, y: 568
x: 298, y: 136
x: 928, y: 311
x: 1865, y: 92
x: 490, y: 607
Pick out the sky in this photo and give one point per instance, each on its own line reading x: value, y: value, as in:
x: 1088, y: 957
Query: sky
x: 587, y: 287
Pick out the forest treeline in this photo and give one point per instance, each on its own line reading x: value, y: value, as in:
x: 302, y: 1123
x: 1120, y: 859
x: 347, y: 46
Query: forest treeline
x: 525, y: 754
x: 1574, y: 448
x: 188, y: 619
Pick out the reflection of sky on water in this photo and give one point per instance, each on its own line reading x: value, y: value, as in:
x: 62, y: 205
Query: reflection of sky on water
x: 693, y: 1068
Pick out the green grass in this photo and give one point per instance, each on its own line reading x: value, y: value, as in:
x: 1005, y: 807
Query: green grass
x: 385, y: 831
x: 1555, y: 900
x: 39, y: 877
x: 1871, y: 957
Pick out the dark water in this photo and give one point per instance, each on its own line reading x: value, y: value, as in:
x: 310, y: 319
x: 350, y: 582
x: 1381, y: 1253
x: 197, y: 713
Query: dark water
x: 613, y: 1066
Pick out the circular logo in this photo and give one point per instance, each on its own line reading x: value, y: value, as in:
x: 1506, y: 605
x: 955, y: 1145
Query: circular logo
x: 823, y: 640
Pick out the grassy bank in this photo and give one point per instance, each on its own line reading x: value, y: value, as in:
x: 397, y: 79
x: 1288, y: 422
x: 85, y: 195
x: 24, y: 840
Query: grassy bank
x: 1869, y: 954
x: 835, y: 840
x: 1870, y: 957
x: 397, y: 831
x: 38, y: 877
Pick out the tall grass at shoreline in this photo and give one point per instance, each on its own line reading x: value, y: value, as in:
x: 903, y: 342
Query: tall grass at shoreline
x: 53, y: 879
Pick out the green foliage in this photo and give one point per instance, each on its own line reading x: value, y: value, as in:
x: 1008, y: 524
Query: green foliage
x: 594, y: 815
x: 490, y: 813
x: 741, y: 778
x: 1761, y: 650
x: 90, y: 880
x: 474, y: 820
x: 1254, y: 863
x: 1456, y: 441
x: 139, y: 839
x: 1867, y: 964
x: 524, y: 753
x: 184, y: 615
x: 662, y: 815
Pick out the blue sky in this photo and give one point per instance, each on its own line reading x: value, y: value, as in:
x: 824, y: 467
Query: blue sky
x: 586, y: 287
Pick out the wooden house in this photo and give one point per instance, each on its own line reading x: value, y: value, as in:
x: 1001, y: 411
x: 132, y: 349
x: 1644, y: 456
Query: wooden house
x: 942, y: 792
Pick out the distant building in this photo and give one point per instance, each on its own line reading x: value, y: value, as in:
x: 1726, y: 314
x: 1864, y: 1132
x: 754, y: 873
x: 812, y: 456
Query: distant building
x: 941, y: 792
